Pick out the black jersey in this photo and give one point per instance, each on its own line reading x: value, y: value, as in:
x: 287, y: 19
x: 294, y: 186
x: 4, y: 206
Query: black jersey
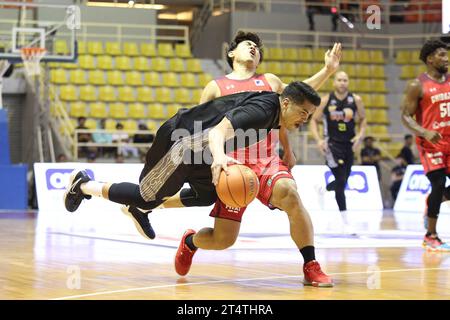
x: 339, y: 118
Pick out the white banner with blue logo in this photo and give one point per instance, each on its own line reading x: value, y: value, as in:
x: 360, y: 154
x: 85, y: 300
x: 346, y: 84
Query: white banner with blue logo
x: 104, y: 217
x: 414, y: 190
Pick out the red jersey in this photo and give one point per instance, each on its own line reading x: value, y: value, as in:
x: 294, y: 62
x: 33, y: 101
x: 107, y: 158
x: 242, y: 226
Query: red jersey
x: 433, y: 112
x: 264, y: 151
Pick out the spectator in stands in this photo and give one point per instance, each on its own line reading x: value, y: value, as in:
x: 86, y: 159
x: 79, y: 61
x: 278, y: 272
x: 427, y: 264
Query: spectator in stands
x: 370, y: 156
x: 84, y: 137
x: 104, y: 138
x: 406, y: 152
x: 143, y: 138
x: 397, y: 174
x: 311, y: 10
x: 123, y: 138
x: 119, y: 158
x: 91, y: 157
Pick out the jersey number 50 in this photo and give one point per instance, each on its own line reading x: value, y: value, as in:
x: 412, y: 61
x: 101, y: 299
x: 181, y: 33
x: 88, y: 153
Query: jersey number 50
x: 445, y: 109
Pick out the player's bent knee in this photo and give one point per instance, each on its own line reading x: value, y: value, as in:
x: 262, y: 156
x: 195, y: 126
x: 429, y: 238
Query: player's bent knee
x: 224, y: 241
x: 287, y: 195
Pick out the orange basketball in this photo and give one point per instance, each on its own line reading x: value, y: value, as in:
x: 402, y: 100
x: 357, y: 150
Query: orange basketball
x: 239, y: 187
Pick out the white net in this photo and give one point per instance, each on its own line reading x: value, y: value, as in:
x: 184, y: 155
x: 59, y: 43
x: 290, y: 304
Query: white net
x: 31, y: 59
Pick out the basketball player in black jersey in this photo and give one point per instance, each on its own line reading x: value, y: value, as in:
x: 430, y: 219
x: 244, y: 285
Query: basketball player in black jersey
x: 337, y: 110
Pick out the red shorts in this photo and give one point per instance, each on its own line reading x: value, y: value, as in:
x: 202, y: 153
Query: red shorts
x: 434, y: 156
x: 268, y: 172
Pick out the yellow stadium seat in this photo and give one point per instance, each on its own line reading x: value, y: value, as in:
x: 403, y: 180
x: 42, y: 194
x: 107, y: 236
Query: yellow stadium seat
x: 378, y: 86
x: 352, y: 86
x: 110, y: 124
x: 415, y: 57
x: 366, y: 99
x: 68, y: 93
x: 145, y: 94
x: 327, y: 86
x: 152, y: 79
x: 305, y: 54
x: 151, y: 125
x: 60, y: 47
x: 287, y: 79
x: 91, y: 124
x: 176, y: 65
x: 58, y: 76
x: 170, y: 79
x: 363, y: 85
x: 98, y: 110
x: 403, y: 57
x: 378, y: 71
x: 123, y: 63
x: 188, y: 80
x: 182, y: 95
x: 196, y: 96
x: 204, y: 79
x: 114, y: 78
x: 274, y: 67
x: 350, y: 70
x: 82, y: 47
x: 172, y: 109
x: 262, y: 68
x: 104, y: 62
x: 319, y: 54
x: 275, y: 53
x: 130, y: 49
x: 156, y: 111
x: 133, y: 78
x: 159, y: 64
x: 379, y: 101
x: 126, y: 94
x: 69, y: 65
x: 289, y: 68
x: 107, y: 94
x: 95, y: 47
x: 380, y: 116
x: 408, y: 72
x: 54, y: 65
x: 78, y: 109
x: 291, y: 54
x: 130, y: 126
x: 380, y: 131
x: 363, y: 71
x: 369, y: 116
x: 136, y: 111
x: 87, y: 93
x: 141, y: 64
x: 96, y: 77
x: 165, y: 50
x: 376, y: 56
x: 304, y: 69
x: 363, y: 56
x: 117, y: 110
x: 163, y: 95
x: 349, y: 56
x: 113, y: 48
x: 86, y: 62
x: 193, y: 65
x: 182, y: 50
x: 148, y: 50
x: 77, y: 77
x: 421, y: 68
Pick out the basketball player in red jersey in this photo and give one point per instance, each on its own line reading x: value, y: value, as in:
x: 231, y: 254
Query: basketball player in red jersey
x: 427, y: 98
x: 278, y: 189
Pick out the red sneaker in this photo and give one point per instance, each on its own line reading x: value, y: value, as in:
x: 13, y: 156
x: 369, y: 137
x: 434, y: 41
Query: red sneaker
x: 314, y: 276
x: 183, y: 258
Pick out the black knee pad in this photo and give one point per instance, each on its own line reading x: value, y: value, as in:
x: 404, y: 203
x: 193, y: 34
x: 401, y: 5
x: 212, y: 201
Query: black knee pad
x: 437, y: 180
x: 190, y: 198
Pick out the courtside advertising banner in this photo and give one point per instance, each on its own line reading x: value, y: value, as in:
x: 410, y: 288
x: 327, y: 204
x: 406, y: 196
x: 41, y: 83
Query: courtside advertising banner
x: 105, y: 217
x: 414, y: 190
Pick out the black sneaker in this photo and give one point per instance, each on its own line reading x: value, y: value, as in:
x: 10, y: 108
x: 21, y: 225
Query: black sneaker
x: 141, y: 221
x: 73, y: 195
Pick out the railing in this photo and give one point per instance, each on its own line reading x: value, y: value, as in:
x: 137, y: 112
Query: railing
x: 119, y: 144
x: 416, y: 11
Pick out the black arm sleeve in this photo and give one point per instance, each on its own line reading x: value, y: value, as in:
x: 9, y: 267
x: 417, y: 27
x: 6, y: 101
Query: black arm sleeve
x: 253, y: 116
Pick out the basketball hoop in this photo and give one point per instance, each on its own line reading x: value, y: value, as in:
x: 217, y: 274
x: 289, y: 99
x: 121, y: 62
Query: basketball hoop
x: 31, y: 59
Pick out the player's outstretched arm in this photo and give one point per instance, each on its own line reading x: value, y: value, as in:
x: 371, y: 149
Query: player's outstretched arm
x: 410, y: 104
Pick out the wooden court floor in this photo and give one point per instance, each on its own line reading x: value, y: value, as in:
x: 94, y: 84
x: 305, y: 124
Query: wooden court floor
x: 70, y: 267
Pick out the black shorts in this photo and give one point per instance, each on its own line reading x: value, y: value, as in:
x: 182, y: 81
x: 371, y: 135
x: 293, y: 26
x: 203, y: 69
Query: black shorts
x: 339, y: 154
x: 167, y: 169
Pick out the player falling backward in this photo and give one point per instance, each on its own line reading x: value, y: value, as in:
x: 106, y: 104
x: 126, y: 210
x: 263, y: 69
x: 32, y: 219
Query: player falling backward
x: 166, y: 169
x: 426, y: 113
